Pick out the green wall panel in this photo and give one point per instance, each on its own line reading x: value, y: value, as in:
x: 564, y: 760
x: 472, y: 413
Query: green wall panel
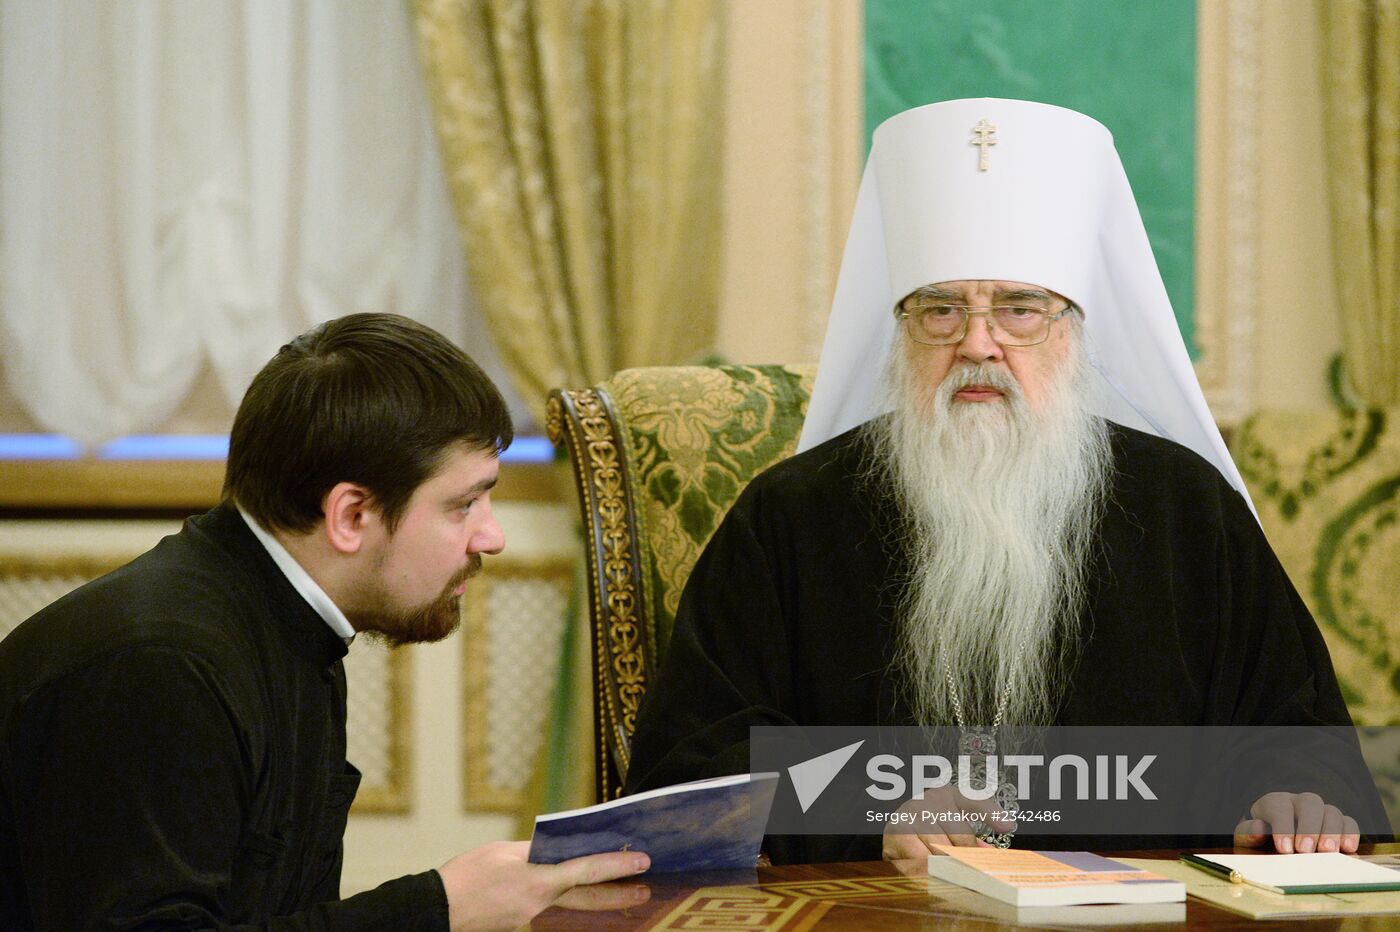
x: 1130, y: 64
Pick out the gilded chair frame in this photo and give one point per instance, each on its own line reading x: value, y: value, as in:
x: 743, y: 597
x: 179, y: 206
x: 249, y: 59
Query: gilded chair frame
x: 658, y: 456
x: 585, y: 423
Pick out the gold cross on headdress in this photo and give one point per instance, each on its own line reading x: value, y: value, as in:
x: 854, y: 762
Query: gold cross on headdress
x: 986, y: 135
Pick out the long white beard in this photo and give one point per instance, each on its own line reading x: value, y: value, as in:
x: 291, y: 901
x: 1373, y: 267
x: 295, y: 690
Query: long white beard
x: 1000, y: 506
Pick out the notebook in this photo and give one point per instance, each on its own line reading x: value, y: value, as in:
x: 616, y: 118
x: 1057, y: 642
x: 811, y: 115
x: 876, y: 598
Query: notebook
x: 1327, y: 872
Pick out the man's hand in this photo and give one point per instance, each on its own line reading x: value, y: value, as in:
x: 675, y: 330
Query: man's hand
x: 941, y: 817
x: 1299, y: 822
x: 495, y: 887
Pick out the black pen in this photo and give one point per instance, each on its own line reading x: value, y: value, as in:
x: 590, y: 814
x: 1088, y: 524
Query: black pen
x: 1210, y: 867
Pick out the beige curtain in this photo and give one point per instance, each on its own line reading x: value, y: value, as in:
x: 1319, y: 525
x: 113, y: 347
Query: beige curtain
x: 1361, y: 84
x: 581, y: 139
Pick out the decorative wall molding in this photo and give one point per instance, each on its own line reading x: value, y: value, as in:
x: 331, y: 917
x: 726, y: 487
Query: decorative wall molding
x: 380, y: 726
x: 514, y: 615
x: 189, y: 485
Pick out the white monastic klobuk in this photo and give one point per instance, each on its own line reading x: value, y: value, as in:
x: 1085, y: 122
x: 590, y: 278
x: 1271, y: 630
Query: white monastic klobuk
x: 1051, y: 207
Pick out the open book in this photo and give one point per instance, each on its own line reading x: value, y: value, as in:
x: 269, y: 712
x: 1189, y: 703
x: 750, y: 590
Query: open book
x: 714, y: 824
x: 1051, y: 878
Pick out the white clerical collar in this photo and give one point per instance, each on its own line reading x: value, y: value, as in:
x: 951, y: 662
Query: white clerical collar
x: 302, y: 582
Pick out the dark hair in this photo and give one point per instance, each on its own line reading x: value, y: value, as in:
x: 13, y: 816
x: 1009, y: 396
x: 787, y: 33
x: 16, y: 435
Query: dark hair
x: 375, y: 399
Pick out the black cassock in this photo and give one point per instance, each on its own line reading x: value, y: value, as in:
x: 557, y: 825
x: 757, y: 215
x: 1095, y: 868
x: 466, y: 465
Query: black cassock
x: 788, y: 619
x: 172, y: 753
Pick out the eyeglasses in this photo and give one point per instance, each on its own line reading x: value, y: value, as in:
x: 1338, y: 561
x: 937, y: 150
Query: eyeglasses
x: 1010, y: 324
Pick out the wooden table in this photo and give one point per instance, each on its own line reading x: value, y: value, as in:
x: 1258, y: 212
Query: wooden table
x: 869, y: 895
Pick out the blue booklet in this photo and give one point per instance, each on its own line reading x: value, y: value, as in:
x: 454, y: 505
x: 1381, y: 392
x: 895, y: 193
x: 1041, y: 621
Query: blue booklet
x: 714, y: 824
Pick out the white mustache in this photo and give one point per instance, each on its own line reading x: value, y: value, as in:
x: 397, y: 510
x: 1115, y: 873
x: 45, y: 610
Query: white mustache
x: 971, y: 373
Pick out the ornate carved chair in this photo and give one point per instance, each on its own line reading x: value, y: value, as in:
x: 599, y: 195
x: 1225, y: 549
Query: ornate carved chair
x: 658, y: 456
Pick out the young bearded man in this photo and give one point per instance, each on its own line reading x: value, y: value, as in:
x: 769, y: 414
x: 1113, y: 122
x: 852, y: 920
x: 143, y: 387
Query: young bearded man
x: 172, y: 735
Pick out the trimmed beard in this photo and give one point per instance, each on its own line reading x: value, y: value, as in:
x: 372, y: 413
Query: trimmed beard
x: 431, y: 621
x: 999, y: 507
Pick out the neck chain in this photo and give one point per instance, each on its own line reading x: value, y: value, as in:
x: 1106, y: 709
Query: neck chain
x: 957, y: 702
x: 978, y: 743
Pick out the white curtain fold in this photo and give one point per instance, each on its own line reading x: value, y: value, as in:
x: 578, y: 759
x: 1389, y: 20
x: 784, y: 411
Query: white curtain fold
x: 182, y: 182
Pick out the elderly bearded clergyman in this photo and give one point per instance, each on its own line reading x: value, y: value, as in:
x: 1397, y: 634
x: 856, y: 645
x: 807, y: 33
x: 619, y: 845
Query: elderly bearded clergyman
x: 1025, y: 516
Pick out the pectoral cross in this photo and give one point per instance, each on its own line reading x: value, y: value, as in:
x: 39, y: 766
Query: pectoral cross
x: 986, y: 135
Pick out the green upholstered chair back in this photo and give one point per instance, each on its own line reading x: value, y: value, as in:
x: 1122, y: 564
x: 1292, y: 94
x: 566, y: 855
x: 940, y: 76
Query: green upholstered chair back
x: 659, y: 455
x: 1327, y: 486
